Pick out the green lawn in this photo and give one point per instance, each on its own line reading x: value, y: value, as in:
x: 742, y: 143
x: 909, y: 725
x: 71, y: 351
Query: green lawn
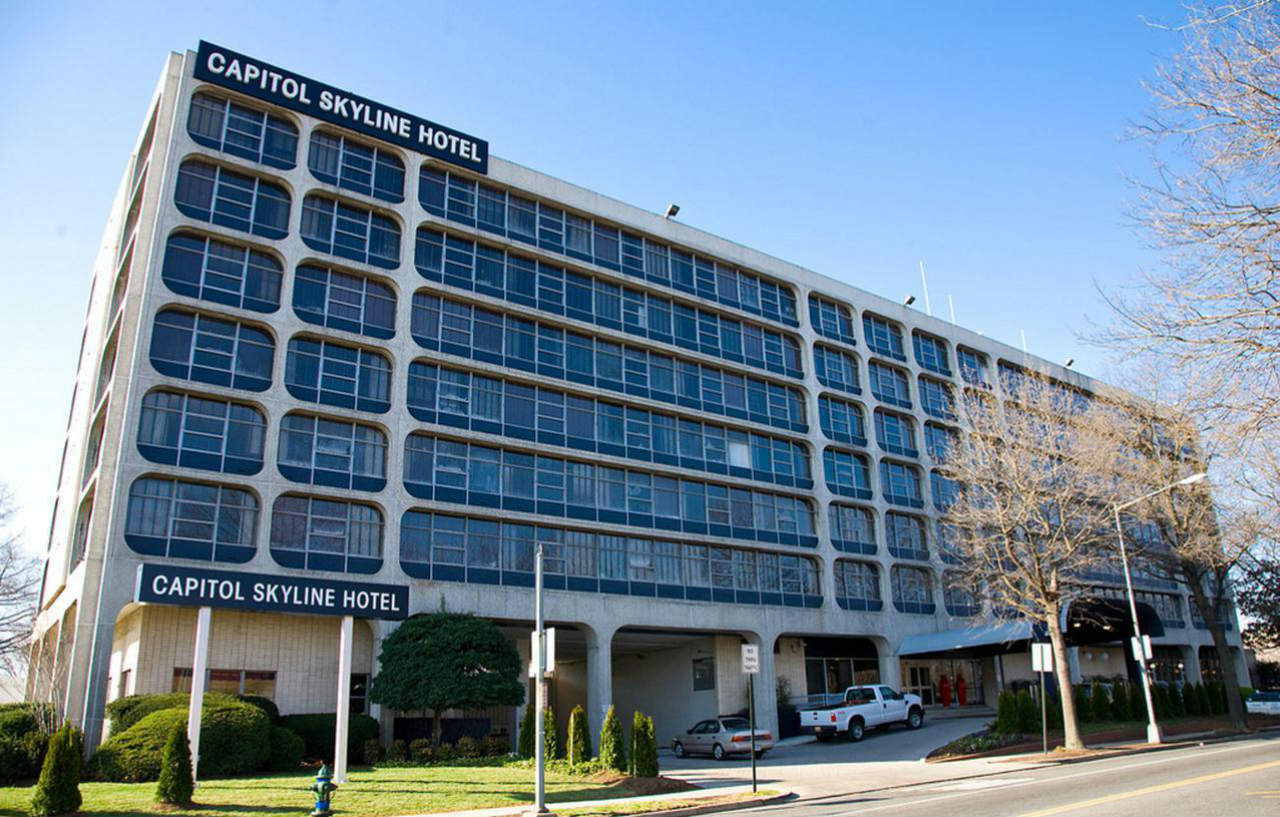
x: 370, y: 793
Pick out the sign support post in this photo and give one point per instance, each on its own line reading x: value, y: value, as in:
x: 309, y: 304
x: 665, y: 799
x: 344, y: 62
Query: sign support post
x: 1042, y: 662
x: 343, y: 719
x: 540, y: 693
x: 199, y: 668
x: 751, y: 666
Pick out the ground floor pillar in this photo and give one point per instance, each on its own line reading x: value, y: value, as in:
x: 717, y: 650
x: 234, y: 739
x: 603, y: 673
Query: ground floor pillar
x: 599, y: 674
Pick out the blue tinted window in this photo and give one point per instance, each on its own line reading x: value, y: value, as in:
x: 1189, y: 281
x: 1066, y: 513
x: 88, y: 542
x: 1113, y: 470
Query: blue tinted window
x: 197, y: 432
x: 904, y: 536
x: 223, y: 273
x: 320, y: 371
x: 939, y: 440
x: 958, y: 599
x: 325, y: 534
x: 239, y: 130
x: 883, y: 337
x: 931, y: 353
x: 336, y: 453
x: 842, y: 420
x: 889, y: 385
x: 191, y: 520
x: 853, y: 528
x: 212, y: 193
x: 345, y: 230
x: 973, y: 367
x: 900, y: 484
x: 832, y: 320
x: 357, y: 166
x: 858, y: 585
x: 211, y: 350
x: 847, y: 473
x: 836, y: 369
x: 912, y: 590
x: 937, y: 399
x: 344, y: 300
x: 896, y: 433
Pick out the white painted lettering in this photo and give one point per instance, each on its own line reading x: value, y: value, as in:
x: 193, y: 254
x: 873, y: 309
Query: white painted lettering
x: 217, y: 62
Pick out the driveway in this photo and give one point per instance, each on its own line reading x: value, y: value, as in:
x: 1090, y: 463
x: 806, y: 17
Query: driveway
x: 813, y: 769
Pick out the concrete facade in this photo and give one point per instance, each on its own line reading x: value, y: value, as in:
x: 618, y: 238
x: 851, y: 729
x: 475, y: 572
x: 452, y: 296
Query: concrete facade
x: 95, y: 644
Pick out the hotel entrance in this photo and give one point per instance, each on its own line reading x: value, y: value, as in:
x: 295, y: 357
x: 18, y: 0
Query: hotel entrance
x: 944, y: 681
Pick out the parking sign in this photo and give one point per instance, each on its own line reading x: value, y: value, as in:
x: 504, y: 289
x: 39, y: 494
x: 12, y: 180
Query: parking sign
x: 750, y: 659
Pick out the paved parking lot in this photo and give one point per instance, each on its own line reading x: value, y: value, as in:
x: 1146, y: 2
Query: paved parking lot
x: 812, y: 769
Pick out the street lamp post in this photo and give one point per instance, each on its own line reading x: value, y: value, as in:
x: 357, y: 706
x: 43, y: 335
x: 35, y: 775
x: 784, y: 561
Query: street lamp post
x: 1139, y: 649
x: 539, y: 654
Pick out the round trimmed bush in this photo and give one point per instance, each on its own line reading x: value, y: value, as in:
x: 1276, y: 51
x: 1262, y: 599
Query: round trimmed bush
x: 420, y: 751
x: 287, y: 750
x: 235, y: 738
x: 265, y: 704
x: 127, y: 711
x: 397, y: 752
x: 467, y: 746
x: 372, y: 752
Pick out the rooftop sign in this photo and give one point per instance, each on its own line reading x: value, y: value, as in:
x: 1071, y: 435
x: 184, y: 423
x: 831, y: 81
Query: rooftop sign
x: 247, y: 75
x: 199, y: 587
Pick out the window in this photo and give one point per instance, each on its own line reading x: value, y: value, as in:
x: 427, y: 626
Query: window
x: 343, y: 300
x: 939, y: 441
x: 858, y: 585
x: 912, y: 589
x: 900, y: 484
x: 889, y: 384
x: 847, y: 473
x: 973, y: 367
x: 80, y: 537
x: 239, y: 130
x: 904, y: 536
x: 945, y: 490
x: 211, y: 350
x: 896, y: 433
x: 212, y: 193
x: 836, y: 369
x: 191, y: 520
x: 261, y: 683
x: 958, y: 599
x: 196, y: 432
x: 704, y: 673
x: 353, y: 165
x: 326, y: 534
x: 842, y: 420
x: 222, y: 273
x: 493, y: 271
x: 937, y: 399
x: 334, y: 453
x: 883, y: 337
x: 443, y: 324
x: 931, y: 353
x: 346, y: 230
x: 853, y: 529
x: 319, y: 371
x: 831, y: 319
x: 459, y: 199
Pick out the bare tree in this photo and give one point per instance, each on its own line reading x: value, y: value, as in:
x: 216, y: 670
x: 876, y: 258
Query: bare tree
x: 1032, y: 512
x: 17, y: 591
x: 1212, y: 311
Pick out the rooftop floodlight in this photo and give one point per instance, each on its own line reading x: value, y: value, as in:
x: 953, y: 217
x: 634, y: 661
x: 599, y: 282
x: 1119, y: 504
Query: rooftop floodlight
x: 909, y: 301
x: 672, y: 209
x: 1070, y: 361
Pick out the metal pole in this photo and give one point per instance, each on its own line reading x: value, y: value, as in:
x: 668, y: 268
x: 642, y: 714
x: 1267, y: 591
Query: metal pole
x: 199, y: 667
x: 1153, y: 729
x: 1044, y: 712
x: 343, y: 718
x: 540, y: 635
x: 751, y: 714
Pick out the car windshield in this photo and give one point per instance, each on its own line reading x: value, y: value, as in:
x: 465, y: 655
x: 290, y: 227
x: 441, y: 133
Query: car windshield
x: 734, y: 724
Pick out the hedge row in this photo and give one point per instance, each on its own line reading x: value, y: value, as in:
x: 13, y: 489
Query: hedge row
x: 23, y: 742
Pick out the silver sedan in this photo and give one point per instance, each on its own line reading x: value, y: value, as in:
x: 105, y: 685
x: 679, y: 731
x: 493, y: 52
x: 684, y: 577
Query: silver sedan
x: 721, y: 737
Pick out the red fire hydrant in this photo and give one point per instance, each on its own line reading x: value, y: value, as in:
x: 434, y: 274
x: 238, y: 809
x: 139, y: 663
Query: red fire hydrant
x: 944, y: 690
x: 962, y: 691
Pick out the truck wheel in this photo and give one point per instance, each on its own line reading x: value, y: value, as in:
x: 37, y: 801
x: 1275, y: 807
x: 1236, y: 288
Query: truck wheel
x: 717, y: 752
x: 677, y: 749
x: 856, y: 729
x: 915, y: 718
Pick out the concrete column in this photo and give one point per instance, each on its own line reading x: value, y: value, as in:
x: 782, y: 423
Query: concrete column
x: 1191, y: 665
x: 375, y: 710
x: 1073, y: 665
x: 599, y: 674
x: 766, y: 683
x: 1242, y: 666
x: 343, y: 719
x: 890, y: 666
x: 199, y: 666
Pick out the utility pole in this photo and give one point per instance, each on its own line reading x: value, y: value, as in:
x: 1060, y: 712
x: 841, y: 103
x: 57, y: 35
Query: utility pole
x: 540, y: 695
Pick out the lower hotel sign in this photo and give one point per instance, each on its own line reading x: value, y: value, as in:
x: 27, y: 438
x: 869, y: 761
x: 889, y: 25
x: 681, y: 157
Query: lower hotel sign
x: 198, y: 587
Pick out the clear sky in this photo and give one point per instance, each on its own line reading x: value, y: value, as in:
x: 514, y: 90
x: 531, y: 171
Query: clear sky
x: 853, y: 138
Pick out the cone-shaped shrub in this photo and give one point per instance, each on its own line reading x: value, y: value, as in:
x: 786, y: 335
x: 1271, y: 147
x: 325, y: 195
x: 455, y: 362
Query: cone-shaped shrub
x: 550, y: 735
x: 1119, y: 702
x: 1137, y: 702
x: 578, y: 745
x: 1177, y: 708
x: 1191, y: 700
x: 1006, y: 713
x: 58, y: 789
x: 1028, y: 719
x: 1160, y: 700
x: 613, y: 747
x: 175, y: 785
x: 1053, y: 710
x: 524, y: 745
x: 1081, y: 697
x: 646, y: 741
x: 1099, y: 703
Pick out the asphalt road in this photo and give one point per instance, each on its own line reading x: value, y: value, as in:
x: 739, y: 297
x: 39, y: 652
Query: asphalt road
x: 1234, y: 778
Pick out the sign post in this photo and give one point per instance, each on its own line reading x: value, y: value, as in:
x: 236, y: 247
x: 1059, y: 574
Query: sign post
x: 342, y: 721
x: 199, y: 667
x: 540, y: 694
x: 751, y: 666
x: 1042, y: 662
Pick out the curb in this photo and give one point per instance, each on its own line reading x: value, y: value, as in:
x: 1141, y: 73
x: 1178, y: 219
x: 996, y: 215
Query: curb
x: 688, y: 811
x: 1106, y: 751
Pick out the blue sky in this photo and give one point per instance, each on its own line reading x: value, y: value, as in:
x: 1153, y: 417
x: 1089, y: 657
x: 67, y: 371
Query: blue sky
x: 854, y: 138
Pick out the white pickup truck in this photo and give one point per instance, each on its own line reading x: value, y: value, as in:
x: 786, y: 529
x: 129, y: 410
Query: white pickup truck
x: 863, y: 707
